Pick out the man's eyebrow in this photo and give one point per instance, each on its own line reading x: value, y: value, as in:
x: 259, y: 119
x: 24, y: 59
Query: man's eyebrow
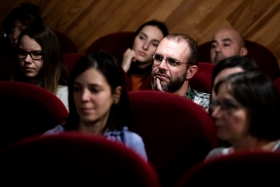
x: 226, y: 40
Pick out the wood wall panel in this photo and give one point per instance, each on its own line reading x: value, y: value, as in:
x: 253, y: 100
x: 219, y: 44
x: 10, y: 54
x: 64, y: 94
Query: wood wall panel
x: 86, y: 20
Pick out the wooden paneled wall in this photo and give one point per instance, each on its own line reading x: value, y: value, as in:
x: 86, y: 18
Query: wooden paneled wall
x: 86, y: 20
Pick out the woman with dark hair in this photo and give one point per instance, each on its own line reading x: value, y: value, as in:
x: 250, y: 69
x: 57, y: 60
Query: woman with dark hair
x: 40, y: 61
x: 14, y: 23
x: 138, y: 61
x: 99, y: 103
x: 245, y: 110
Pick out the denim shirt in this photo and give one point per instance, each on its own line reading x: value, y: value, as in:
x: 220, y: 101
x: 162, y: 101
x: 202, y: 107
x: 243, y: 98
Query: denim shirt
x: 129, y: 139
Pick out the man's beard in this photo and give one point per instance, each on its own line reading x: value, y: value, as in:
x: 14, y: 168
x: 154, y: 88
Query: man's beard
x: 172, y: 86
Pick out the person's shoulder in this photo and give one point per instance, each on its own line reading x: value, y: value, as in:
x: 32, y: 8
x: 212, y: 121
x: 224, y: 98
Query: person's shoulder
x: 220, y: 151
x: 56, y: 130
x: 131, y: 136
x: 201, y: 94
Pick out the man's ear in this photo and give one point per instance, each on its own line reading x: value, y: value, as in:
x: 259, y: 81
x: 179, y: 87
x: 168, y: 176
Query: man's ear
x: 191, y: 71
x: 117, y: 94
x: 243, y: 51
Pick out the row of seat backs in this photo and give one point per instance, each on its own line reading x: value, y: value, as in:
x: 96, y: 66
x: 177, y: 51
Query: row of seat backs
x: 246, y: 168
x: 177, y: 132
x: 74, y: 159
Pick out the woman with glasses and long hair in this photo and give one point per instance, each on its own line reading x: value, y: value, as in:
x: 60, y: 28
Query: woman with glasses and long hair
x: 40, y: 61
x: 245, y: 108
x: 137, y: 61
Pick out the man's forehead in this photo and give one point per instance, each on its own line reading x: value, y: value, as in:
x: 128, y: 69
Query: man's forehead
x: 227, y: 35
x: 172, y: 46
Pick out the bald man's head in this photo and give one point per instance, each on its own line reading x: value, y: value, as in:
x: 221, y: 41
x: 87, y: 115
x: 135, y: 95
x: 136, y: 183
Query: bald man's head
x: 227, y: 42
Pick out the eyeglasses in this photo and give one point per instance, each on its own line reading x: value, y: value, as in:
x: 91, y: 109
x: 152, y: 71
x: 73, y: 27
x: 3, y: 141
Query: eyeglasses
x: 171, y: 61
x: 35, y: 55
x: 225, y: 105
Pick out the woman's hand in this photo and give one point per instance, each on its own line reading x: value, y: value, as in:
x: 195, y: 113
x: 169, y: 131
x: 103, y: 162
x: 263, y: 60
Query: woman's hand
x: 128, y: 57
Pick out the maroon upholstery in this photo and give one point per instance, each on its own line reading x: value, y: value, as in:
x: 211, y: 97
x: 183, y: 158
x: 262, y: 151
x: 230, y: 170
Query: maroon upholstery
x: 26, y: 110
x: 66, y: 43
x: 276, y: 82
x: 177, y: 132
x: 74, y: 159
x: 239, y: 169
x: 114, y: 43
x: 6, y: 68
x: 70, y: 59
x: 201, y: 81
x: 265, y: 59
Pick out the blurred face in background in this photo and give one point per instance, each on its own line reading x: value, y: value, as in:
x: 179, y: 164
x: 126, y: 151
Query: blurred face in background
x: 146, y: 42
x: 227, y: 43
x: 14, y: 33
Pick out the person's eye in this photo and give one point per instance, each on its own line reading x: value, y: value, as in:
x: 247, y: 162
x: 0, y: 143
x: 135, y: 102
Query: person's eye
x: 141, y: 37
x: 226, y: 44
x: 155, y: 44
x: 172, y: 62
x: 37, y: 54
x: 76, y: 88
x: 213, y: 45
x: 230, y: 105
x: 158, y: 57
x: 95, y: 90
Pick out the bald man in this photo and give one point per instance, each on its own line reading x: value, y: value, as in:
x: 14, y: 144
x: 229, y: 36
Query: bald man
x: 227, y: 42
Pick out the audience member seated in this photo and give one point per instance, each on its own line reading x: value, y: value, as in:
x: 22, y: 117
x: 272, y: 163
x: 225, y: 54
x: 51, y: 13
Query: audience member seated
x: 40, y: 61
x: 245, y: 108
x: 99, y: 103
x: 175, y: 63
x: 137, y: 61
x: 228, y: 42
x: 17, y: 20
x: 228, y: 66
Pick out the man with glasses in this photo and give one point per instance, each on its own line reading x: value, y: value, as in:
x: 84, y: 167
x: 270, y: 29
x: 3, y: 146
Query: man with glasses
x: 175, y: 63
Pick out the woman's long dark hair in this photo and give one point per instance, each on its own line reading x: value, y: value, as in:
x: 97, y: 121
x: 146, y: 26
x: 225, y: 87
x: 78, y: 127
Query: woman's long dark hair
x: 53, y: 72
x: 108, y: 66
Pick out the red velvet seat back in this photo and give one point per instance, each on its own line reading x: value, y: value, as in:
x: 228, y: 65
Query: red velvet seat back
x: 276, y: 82
x: 70, y: 60
x: 177, y: 132
x: 26, y: 110
x: 67, y: 45
x: 239, y: 169
x: 6, y: 68
x: 74, y: 159
x: 265, y: 59
x: 114, y: 43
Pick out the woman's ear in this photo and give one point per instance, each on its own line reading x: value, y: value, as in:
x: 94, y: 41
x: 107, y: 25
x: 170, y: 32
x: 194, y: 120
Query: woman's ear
x: 117, y: 94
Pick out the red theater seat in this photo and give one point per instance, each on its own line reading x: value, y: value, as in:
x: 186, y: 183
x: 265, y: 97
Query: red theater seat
x: 238, y: 169
x: 27, y: 110
x: 114, y: 43
x: 177, y: 132
x: 74, y: 159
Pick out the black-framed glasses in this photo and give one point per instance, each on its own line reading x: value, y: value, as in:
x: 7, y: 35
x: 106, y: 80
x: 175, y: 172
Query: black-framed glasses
x: 158, y: 58
x: 35, y: 55
x: 225, y: 105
